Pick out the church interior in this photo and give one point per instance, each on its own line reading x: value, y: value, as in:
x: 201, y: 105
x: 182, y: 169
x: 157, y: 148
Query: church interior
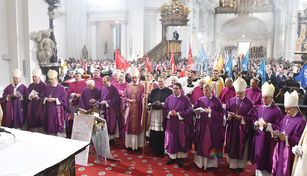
x: 47, y: 33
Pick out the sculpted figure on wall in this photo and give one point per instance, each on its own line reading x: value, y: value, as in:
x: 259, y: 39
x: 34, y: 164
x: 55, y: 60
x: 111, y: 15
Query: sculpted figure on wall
x: 45, y: 46
x: 84, y: 53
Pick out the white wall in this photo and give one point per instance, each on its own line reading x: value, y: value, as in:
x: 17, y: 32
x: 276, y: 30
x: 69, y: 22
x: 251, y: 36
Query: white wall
x: 76, y: 27
x: 4, y: 65
x: 38, y: 20
x: 135, y: 29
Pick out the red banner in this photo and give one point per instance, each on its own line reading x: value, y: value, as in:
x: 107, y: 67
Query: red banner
x: 120, y: 61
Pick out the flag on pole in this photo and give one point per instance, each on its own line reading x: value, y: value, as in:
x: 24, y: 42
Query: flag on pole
x: 190, y: 58
x: 245, y: 62
x: 148, y: 64
x: 219, y: 65
x: 172, y: 63
x: 261, y: 71
x: 228, y: 68
x: 202, y: 59
x: 120, y: 61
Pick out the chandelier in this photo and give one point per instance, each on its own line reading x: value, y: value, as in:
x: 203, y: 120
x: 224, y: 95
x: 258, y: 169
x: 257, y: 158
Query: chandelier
x: 245, y: 7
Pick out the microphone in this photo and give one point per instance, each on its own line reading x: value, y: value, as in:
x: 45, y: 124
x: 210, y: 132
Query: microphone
x: 2, y: 130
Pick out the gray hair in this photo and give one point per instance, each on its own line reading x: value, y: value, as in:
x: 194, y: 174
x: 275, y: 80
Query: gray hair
x: 255, y: 79
x: 208, y: 86
x: 230, y: 79
x: 90, y: 82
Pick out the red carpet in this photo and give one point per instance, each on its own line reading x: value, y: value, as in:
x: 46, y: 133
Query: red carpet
x: 132, y: 163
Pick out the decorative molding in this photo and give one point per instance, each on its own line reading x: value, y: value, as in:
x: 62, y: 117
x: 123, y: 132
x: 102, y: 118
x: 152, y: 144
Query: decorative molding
x: 108, y: 15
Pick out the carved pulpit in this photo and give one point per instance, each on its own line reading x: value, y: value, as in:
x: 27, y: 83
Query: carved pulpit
x: 173, y: 14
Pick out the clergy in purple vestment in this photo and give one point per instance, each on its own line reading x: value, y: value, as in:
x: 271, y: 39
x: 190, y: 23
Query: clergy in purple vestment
x: 110, y: 101
x: 114, y: 78
x: 97, y: 79
x: 14, y: 105
x: 197, y: 92
x: 240, y: 113
x: 89, y: 96
x: 288, y: 134
x: 178, y: 125
x: 35, y: 113
x: 228, y: 92
x: 121, y: 86
x: 56, y: 106
x: 254, y: 93
x: 208, y: 130
x: 268, y: 117
x: 134, y: 94
x: 74, y: 93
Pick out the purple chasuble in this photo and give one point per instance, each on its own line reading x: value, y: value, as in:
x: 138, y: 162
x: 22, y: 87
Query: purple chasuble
x: 87, y: 95
x: 75, y: 87
x: 112, y: 113
x: 178, y: 133
x: 134, y: 110
x: 14, y: 109
x: 263, y: 143
x: 98, y: 82
x: 238, y: 134
x: 35, y: 113
x: 55, y: 114
x: 209, y: 130
x: 283, y: 157
x: 196, y: 94
x: 226, y: 94
x: 255, y: 96
x: 121, y: 87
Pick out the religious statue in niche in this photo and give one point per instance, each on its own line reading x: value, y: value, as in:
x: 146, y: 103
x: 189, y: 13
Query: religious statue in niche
x: 45, y: 46
x: 84, y: 53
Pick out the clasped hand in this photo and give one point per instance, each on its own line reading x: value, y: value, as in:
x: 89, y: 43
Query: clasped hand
x: 173, y: 113
x: 236, y: 116
x: 51, y: 99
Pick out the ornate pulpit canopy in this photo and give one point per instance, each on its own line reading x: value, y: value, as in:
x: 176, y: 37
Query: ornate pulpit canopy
x: 174, y: 14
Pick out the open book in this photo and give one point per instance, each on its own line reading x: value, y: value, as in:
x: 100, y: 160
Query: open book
x: 200, y: 109
x: 151, y: 104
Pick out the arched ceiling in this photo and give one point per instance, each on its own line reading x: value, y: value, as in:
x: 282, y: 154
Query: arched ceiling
x: 245, y: 28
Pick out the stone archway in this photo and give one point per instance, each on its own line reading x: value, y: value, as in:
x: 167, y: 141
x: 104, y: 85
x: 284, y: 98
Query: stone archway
x: 251, y: 27
x: 246, y: 29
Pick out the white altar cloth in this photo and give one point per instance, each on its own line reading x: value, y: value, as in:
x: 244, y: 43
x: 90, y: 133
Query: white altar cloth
x: 30, y: 153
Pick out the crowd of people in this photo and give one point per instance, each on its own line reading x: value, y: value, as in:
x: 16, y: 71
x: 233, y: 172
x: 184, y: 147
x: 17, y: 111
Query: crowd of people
x: 220, y: 116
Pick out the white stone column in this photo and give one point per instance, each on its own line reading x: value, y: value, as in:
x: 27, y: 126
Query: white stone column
x: 93, y: 40
x: 277, y: 33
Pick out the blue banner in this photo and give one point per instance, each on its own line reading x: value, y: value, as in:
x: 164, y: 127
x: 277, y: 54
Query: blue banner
x: 245, y: 62
x: 261, y: 71
x: 202, y: 59
x: 302, y: 76
x: 228, y: 68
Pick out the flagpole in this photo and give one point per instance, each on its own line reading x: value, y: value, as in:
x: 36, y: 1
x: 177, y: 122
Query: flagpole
x: 145, y: 116
x: 201, y: 68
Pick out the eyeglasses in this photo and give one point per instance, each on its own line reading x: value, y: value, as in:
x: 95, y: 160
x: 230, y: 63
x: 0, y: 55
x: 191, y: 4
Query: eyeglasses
x: 176, y: 88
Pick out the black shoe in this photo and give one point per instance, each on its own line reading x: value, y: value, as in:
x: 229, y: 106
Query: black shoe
x: 239, y: 170
x: 180, y: 163
x: 160, y: 155
x: 111, y: 142
x: 170, y: 161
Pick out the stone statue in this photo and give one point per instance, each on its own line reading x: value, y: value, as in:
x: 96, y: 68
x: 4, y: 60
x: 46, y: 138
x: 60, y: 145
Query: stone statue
x: 84, y: 53
x: 45, y: 46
